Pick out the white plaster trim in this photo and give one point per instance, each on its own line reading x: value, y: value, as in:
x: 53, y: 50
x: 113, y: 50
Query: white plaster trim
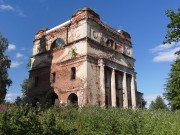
x: 65, y: 23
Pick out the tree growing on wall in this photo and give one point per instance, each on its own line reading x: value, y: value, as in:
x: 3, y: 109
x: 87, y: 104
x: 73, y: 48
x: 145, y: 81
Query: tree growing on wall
x: 158, y: 104
x: 172, y: 88
x: 4, y: 65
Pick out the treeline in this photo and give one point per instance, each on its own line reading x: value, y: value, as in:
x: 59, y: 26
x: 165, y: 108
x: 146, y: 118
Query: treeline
x: 88, y: 120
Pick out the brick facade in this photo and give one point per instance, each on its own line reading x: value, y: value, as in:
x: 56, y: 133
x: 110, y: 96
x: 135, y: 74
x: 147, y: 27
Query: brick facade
x: 83, y: 61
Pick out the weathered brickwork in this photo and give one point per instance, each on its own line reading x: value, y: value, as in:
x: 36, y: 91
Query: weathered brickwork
x: 83, y: 61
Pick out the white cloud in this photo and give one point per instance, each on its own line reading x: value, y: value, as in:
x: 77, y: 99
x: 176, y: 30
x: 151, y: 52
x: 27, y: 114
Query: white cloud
x: 10, y: 97
x: 11, y: 47
x: 166, y: 56
x: 5, y: 7
x: 15, y: 64
x: 162, y: 47
x: 18, y: 55
x: 165, y: 53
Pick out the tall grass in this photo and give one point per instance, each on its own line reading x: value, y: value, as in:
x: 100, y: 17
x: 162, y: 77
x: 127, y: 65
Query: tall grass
x: 88, y: 120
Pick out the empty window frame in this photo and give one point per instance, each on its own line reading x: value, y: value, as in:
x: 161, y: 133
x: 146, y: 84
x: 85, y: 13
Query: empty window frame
x: 36, y: 81
x: 53, y: 77
x: 73, y: 73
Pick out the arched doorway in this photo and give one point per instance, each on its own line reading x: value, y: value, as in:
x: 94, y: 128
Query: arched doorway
x: 55, y: 100
x: 73, y: 99
x: 52, y: 99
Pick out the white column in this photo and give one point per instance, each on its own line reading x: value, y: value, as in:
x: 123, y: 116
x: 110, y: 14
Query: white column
x: 113, y: 89
x: 133, y: 92
x: 125, y: 96
x: 102, y: 84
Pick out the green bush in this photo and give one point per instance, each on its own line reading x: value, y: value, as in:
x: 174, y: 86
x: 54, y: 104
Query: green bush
x: 88, y: 120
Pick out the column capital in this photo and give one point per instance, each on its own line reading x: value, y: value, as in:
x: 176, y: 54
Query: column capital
x: 101, y: 62
x: 113, y: 69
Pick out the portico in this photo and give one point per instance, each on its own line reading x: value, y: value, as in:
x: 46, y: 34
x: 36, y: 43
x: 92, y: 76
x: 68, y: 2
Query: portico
x: 117, y: 85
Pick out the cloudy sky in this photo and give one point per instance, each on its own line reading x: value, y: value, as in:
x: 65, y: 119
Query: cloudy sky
x: 144, y: 20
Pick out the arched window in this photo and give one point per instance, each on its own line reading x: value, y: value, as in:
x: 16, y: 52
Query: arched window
x: 57, y: 42
x: 110, y: 43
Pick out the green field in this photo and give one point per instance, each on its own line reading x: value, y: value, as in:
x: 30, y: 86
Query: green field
x: 89, y: 120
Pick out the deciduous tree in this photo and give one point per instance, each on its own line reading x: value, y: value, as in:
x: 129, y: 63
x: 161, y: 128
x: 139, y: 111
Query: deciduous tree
x: 172, y: 88
x: 173, y: 32
x: 4, y: 65
x: 24, y: 88
x: 18, y: 100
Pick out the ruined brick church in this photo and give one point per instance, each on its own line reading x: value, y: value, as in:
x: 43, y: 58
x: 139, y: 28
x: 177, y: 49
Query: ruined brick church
x: 83, y: 61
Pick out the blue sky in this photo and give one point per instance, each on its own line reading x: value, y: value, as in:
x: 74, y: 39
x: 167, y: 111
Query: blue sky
x: 145, y: 20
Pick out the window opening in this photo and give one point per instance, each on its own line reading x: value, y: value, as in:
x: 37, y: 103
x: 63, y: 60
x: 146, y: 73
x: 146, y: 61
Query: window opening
x: 53, y: 77
x: 36, y: 81
x: 73, y: 73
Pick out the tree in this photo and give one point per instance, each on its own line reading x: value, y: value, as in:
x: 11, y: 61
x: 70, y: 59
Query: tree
x: 4, y: 65
x: 144, y: 102
x: 24, y: 89
x: 18, y: 100
x: 173, y: 33
x: 158, y: 104
x: 172, y: 88
x: 24, y: 85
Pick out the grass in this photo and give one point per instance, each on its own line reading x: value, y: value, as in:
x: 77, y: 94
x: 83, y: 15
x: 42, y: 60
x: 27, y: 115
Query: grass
x: 88, y: 120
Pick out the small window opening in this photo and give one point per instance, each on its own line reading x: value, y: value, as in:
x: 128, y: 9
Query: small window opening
x: 110, y: 43
x: 73, y: 73
x: 36, y: 81
x: 53, y: 77
x: 115, y: 46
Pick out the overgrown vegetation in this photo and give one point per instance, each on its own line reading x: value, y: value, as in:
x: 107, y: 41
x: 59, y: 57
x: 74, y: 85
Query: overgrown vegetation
x: 89, y: 120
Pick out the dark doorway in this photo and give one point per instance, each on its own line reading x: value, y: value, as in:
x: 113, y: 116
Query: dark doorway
x: 72, y: 99
x: 52, y: 99
x: 119, y: 89
x: 107, y: 73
